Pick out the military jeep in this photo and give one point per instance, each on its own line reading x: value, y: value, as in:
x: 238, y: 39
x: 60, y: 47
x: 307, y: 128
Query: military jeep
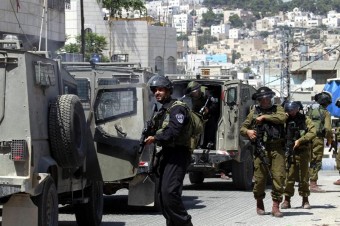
x: 226, y: 153
x: 47, y: 150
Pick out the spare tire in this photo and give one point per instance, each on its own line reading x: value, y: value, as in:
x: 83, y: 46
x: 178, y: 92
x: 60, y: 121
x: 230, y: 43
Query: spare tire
x: 67, y: 131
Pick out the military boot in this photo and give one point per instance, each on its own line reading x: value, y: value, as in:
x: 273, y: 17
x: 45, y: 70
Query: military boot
x: 276, y: 209
x: 286, y: 203
x: 260, y: 207
x: 305, y: 203
x: 315, y: 188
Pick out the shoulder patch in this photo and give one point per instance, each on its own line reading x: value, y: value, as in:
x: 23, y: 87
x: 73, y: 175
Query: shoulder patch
x: 180, y: 118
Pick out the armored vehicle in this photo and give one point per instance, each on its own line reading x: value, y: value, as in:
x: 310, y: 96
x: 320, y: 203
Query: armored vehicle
x: 117, y: 103
x: 226, y: 153
x: 47, y: 151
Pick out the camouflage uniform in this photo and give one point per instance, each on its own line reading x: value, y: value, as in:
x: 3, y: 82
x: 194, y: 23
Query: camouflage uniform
x: 274, y: 152
x: 337, y: 158
x: 318, y: 146
x: 298, y: 170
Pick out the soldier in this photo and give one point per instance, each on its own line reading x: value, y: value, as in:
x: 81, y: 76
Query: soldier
x: 271, y: 117
x: 199, y: 98
x: 172, y: 123
x: 322, y: 122
x: 300, y: 131
x: 337, y: 157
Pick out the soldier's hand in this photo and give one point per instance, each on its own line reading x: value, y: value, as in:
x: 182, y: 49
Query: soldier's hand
x: 251, y: 134
x: 149, y: 140
x: 260, y: 119
x: 296, y: 144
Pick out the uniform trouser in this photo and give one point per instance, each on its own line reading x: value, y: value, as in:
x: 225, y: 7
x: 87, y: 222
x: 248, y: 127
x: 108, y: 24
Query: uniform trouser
x: 173, y: 167
x: 316, y: 158
x: 337, y: 160
x: 298, y: 171
x: 276, y: 159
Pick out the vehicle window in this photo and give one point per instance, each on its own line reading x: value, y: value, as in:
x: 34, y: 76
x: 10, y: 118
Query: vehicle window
x: 115, y: 103
x: 231, y: 96
x: 84, y: 89
x: 245, y: 93
x: 70, y: 88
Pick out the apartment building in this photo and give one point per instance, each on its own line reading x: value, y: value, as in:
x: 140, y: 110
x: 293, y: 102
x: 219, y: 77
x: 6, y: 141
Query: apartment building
x: 23, y: 20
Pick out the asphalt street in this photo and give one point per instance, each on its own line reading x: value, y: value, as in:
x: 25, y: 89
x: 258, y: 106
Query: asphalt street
x: 215, y: 202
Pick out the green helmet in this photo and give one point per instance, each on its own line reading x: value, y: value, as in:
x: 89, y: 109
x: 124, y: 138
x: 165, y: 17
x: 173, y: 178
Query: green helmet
x: 192, y: 86
x: 263, y: 92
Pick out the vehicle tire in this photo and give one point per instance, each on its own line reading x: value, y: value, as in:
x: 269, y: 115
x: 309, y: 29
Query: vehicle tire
x: 196, y: 177
x: 47, y: 203
x: 67, y: 131
x: 90, y: 213
x: 242, y: 172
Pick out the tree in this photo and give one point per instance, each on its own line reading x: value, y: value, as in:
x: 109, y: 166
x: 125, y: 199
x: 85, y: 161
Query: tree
x: 210, y: 18
x: 206, y: 38
x: 94, y: 43
x: 183, y: 37
x: 235, y: 21
x: 116, y: 6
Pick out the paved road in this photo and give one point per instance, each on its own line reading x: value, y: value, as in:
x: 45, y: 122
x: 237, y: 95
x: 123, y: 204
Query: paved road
x: 215, y: 203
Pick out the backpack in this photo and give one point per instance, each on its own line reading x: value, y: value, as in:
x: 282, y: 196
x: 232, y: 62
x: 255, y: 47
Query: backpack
x: 196, y: 124
x: 317, y: 116
x: 196, y: 127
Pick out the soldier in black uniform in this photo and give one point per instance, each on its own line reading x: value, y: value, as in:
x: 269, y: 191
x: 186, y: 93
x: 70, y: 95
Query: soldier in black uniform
x: 172, y: 123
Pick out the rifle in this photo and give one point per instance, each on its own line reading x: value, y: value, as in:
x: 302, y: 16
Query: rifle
x: 260, y: 150
x: 147, y: 131
x: 291, y: 137
x: 209, y: 99
x: 334, y: 143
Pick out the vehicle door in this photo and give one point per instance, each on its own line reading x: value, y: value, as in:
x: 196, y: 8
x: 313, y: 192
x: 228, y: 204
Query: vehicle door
x: 119, y: 115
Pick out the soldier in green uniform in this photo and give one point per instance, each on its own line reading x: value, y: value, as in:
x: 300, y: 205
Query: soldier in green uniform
x: 337, y: 157
x: 322, y: 121
x: 271, y: 117
x: 300, y: 131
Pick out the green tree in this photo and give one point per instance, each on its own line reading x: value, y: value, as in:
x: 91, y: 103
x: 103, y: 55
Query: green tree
x: 210, y: 18
x: 235, y: 21
x: 183, y: 37
x: 204, y: 39
x: 247, y: 70
x: 116, y: 6
x: 94, y: 43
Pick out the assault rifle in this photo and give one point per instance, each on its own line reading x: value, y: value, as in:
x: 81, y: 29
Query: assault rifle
x: 292, y: 135
x: 209, y: 100
x: 260, y: 149
x: 334, y: 143
x: 147, y: 131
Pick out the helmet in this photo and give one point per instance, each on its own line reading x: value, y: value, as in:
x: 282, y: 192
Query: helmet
x: 160, y: 81
x: 337, y: 103
x: 263, y: 92
x: 324, y: 98
x: 192, y: 86
x: 293, y: 106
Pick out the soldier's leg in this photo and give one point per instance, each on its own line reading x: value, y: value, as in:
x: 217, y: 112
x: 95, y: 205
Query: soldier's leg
x: 260, y: 176
x: 337, y: 160
x: 304, y: 191
x: 316, y: 158
x: 278, y: 171
x: 289, y: 186
x: 172, y: 185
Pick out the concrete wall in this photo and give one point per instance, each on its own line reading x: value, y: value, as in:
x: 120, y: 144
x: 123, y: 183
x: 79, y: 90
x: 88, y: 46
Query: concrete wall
x: 26, y: 20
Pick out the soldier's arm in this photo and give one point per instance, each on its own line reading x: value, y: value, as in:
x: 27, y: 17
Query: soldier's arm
x: 328, y: 126
x: 247, y: 124
x: 311, y: 132
x: 279, y: 117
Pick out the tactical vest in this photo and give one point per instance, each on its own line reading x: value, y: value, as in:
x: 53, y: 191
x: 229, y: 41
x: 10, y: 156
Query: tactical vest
x: 317, y: 116
x: 183, y: 139
x: 300, y: 123
x: 271, y: 131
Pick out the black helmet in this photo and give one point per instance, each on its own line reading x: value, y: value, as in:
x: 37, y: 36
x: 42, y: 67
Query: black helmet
x: 192, y: 86
x: 324, y: 98
x: 337, y: 103
x: 160, y: 81
x: 263, y: 92
x: 293, y: 105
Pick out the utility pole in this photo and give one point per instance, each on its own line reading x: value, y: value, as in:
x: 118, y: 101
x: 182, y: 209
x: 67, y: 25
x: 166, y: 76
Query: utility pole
x: 82, y: 29
x: 285, y: 73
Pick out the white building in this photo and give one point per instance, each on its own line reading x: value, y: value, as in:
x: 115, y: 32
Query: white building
x: 234, y: 33
x: 25, y: 22
x: 183, y: 23
x: 332, y: 20
x: 217, y: 30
